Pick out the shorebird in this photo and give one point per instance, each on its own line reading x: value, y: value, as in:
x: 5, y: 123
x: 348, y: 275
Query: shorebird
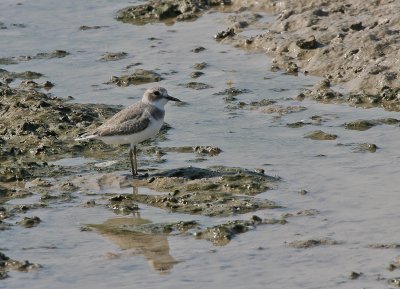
x: 135, y: 123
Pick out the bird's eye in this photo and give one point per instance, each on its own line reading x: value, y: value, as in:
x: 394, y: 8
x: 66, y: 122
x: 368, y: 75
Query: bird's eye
x: 157, y: 93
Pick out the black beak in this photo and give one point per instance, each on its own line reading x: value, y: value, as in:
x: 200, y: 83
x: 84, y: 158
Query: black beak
x: 172, y: 98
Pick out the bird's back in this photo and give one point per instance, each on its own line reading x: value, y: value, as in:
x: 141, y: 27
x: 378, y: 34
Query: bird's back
x: 133, y: 124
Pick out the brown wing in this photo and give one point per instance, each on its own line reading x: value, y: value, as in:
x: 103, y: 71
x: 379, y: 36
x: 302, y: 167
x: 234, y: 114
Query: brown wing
x: 130, y: 120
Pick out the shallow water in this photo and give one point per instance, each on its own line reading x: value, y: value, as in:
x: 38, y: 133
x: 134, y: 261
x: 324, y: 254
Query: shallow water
x: 355, y: 192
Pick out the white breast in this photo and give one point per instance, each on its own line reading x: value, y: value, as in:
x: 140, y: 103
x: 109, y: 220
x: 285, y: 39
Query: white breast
x: 149, y: 132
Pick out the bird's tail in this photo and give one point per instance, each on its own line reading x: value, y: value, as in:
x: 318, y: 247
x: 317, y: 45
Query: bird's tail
x: 85, y: 137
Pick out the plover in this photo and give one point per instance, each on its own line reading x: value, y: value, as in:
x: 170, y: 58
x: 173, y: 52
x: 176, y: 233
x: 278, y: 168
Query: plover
x: 135, y: 123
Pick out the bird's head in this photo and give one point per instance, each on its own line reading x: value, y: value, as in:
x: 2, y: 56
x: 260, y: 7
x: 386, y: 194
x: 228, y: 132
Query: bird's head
x: 158, y: 96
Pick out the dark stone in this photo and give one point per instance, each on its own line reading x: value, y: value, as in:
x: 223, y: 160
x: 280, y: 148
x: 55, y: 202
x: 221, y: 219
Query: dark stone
x: 309, y: 43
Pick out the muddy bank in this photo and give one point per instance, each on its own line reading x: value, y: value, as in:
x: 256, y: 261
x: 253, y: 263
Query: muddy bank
x: 352, y: 43
x: 36, y: 128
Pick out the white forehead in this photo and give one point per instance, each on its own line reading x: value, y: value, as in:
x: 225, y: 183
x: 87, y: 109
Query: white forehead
x: 160, y: 89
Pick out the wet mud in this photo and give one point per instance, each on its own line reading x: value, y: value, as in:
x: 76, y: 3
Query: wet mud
x: 41, y: 55
x: 196, y: 85
x: 139, y: 76
x: 113, y: 56
x: 36, y: 128
x: 214, y: 192
x: 351, y: 43
x: 166, y: 10
x: 303, y: 244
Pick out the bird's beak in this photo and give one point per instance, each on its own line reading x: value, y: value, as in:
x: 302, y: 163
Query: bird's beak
x: 173, y: 98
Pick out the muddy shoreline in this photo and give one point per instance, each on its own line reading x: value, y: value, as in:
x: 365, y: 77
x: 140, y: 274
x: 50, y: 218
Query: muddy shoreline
x: 349, y: 44
x: 354, y: 44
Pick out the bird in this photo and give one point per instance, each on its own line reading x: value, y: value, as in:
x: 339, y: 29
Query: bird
x: 135, y: 123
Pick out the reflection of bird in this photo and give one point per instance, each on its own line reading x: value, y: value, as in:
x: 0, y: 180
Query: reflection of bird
x: 134, y: 124
x: 154, y: 246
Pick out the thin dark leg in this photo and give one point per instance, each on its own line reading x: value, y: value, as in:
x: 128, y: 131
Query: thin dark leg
x: 135, y: 161
x: 132, y: 163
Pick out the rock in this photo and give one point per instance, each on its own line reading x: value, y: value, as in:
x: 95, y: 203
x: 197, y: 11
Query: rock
x: 200, y: 66
x: 196, y: 74
x: 28, y: 222
x: 229, y: 32
x: 198, y: 49
x: 85, y: 27
x: 357, y: 26
x: 366, y: 147
x: 308, y: 43
x: 113, y: 56
x: 354, y: 275
x: 207, y: 150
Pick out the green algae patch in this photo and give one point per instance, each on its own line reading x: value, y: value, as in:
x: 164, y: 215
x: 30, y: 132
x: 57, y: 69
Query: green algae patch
x: 320, y: 135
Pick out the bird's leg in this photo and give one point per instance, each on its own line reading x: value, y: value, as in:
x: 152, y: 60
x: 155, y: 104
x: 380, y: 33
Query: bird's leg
x: 134, y: 172
x: 135, y: 161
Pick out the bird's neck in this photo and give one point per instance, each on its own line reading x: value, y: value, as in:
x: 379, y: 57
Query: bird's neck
x: 157, y: 104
